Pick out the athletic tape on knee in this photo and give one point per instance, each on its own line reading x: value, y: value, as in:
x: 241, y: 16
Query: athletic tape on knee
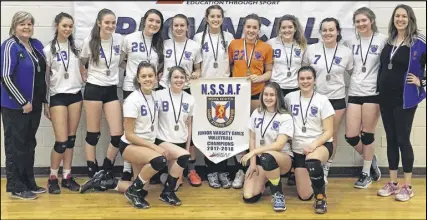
x: 60, y: 147
x: 158, y: 163
x: 353, y: 141
x: 268, y: 162
x: 92, y: 138
x: 367, y: 138
x: 115, y: 140
x: 183, y: 160
x: 71, y: 141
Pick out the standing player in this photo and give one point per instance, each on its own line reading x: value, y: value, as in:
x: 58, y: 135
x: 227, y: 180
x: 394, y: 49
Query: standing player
x: 362, y: 113
x: 65, y: 106
x: 145, y: 45
x: 401, y: 82
x: 312, y: 142
x: 288, y: 49
x: 214, y: 43
x: 271, y: 126
x: 252, y: 58
x: 175, y: 128
x: 331, y: 60
x: 101, y: 51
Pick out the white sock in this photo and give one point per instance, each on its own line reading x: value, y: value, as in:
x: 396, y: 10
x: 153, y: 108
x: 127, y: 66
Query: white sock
x: 327, y: 166
x: 65, y: 173
x: 366, y: 166
x: 144, y: 181
x: 54, y: 173
x: 127, y: 167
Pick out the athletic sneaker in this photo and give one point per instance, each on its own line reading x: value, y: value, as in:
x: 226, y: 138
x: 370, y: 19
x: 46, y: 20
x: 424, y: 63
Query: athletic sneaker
x: 405, y: 194
x: 238, y: 182
x: 53, y: 186
x: 70, y: 183
x: 38, y: 190
x: 25, y: 195
x: 278, y: 201
x: 374, y: 169
x: 170, y: 198
x: 194, y: 178
x: 94, y: 182
x: 109, y: 181
x: 136, y: 197
x: 364, y: 181
x: 320, y: 205
x: 291, y: 181
x: 213, y: 180
x: 224, y: 180
x: 126, y: 176
x: 388, y: 189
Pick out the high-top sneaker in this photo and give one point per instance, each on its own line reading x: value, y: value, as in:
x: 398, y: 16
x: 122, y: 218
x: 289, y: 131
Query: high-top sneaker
x: 70, y: 183
x: 374, y: 169
x: 53, y: 187
x: 136, y: 197
x: 94, y: 182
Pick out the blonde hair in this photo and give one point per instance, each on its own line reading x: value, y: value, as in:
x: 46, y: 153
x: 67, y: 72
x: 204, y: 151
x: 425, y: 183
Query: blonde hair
x: 18, y: 18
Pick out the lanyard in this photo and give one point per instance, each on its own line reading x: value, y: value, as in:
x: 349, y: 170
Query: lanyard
x: 367, y: 53
x: 175, y: 54
x: 111, y: 55
x: 32, y: 54
x: 179, y: 110
x: 152, y: 118
x: 262, y: 140
x: 248, y: 61
x: 66, y: 75
x: 148, y: 52
x: 286, y: 56
x: 304, y: 120
x: 215, y: 53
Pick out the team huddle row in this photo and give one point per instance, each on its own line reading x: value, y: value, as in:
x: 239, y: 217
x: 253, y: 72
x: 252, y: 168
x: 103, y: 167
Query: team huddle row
x: 297, y: 100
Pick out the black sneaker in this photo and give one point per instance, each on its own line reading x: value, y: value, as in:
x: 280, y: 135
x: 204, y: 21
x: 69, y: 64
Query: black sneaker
x: 126, y: 176
x: 320, y: 205
x: 38, y: 190
x: 109, y: 181
x: 374, y: 169
x: 291, y: 181
x: 53, y: 187
x: 94, y: 182
x: 25, y: 195
x: 364, y: 181
x: 70, y: 183
x: 170, y: 198
x: 136, y: 197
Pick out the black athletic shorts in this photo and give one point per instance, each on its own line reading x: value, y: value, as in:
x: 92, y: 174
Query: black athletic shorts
x: 159, y: 141
x: 338, y: 104
x: 100, y: 93
x: 299, y: 159
x: 286, y: 91
x: 125, y: 94
x: 360, y: 100
x: 122, y: 146
x: 65, y: 99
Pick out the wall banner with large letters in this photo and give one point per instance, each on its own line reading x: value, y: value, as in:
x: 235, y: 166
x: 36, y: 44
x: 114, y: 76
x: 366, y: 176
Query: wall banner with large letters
x: 310, y: 14
x: 220, y: 117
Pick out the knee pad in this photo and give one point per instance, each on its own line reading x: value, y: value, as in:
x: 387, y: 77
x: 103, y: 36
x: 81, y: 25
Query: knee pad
x: 268, y: 162
x: 183, y: 160
x: 115, y: 140
x: 60, y: 147
x: 92, y: 138
x: 353, y: 141
x: 314, y: 168
x: 308, y: 199
x: 367, y: 138
x: 71, y: 141
x: 253, y: 199
x: 158, y: 163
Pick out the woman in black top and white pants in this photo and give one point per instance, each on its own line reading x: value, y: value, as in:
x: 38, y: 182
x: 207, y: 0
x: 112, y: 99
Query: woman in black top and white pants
x: 400, y: 82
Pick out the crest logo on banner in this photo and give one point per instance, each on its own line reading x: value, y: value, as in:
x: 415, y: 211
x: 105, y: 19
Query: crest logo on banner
x: 221, y: 111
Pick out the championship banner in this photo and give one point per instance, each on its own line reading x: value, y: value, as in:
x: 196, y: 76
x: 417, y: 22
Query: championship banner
x: 129, y: 14
x: 220, y: 117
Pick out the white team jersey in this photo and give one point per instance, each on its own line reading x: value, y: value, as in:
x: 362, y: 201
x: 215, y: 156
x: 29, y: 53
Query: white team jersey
x: 167, y: 119
x: 319, y: 109
x: 280, y: 68
x: 342, y: 62
x: 364, y: 84
x: 58, y: 82
x: 281, y: 124
x: 208, y: 70
x: 97, y: 73
x: 135, y: 106
x: 192, y: 55
x: 135, y: 49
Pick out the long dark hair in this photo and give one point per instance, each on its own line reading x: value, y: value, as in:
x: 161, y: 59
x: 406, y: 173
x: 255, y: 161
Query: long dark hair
x: 157, y: 39
x: 412, y: 27
x: 141, y: 65
x: 207, y: 12
x: 336, y: 22
x: 57, y: 20
x: 299, y: 35
x: 94, y: 43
